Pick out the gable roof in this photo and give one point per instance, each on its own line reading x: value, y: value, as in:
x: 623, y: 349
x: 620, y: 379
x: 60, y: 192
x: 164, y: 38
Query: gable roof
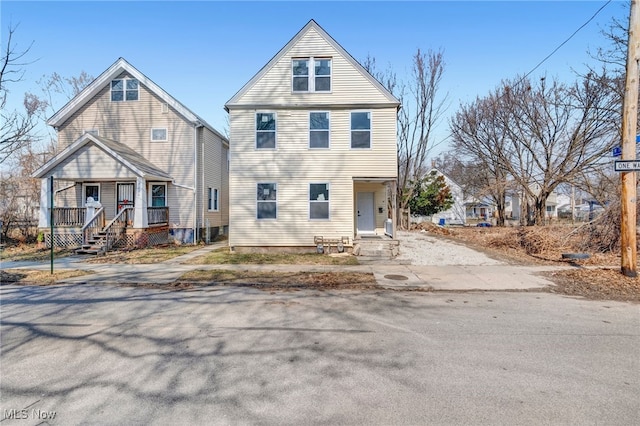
x: 311, y: 25
x: 120, y: 152
x: 119, y: 66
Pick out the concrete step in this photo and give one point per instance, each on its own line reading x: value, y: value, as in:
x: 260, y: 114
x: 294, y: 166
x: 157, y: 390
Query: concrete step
x: 376, y: 247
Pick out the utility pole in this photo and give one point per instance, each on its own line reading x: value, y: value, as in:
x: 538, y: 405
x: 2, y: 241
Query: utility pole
x: 629, y: 127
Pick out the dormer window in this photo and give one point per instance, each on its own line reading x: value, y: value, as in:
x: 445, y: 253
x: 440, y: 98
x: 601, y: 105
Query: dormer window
x: 124, y: 89
x: 311, y: 74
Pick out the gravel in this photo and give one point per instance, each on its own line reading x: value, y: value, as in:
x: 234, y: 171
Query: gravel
x: 419, y: 248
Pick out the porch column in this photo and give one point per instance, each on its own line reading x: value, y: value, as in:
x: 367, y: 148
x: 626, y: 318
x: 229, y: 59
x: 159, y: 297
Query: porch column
x: 140, y: 219
x: 394, y: 209
x: 45, y: 204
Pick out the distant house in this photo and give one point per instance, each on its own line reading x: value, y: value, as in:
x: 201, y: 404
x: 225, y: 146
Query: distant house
x: 516, y: 200
x: 455, y: 215
x: 313, y: 149
x: 479, y: 208
x: 135, y: 167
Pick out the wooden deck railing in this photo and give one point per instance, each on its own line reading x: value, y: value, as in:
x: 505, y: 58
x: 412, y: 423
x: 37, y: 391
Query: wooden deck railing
x: 69, y: 216
x: 157, y: 215
x: 94, y: 225
x: 116, y: 228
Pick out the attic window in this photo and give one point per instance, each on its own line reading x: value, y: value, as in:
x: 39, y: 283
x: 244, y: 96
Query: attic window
x: 124, y: 89
x: 159, y: 135
x: 311, y: 74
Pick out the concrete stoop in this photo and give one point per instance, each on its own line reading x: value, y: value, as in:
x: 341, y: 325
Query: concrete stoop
x: 378, y: 246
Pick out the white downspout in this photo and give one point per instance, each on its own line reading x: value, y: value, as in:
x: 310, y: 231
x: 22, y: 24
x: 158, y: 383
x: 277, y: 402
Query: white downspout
x: 195, y: 180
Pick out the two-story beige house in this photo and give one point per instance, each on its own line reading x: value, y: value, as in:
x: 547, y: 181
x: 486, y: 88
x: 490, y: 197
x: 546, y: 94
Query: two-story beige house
x: 135, y: 167
x: 313, y: 149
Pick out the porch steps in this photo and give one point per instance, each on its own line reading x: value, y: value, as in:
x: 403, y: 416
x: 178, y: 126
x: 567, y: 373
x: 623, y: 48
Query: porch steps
x: 377, y: 246
x: 95, y: 246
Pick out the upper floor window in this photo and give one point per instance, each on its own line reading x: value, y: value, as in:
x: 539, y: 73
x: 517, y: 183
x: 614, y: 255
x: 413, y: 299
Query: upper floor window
x: 159, y: 135
x: 266, y: 130
x: 360, y: 129
x: 311, y: 74
x: 319, y: 130
x: 124, y: 89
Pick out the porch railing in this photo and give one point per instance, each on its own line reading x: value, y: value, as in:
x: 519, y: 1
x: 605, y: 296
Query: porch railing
x: 157, y: 215
x: 94, y: 225
x: 69, y: 216
x: 116, y: 228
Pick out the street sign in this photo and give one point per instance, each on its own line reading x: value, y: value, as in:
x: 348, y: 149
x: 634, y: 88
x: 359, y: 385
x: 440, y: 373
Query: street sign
x: 626, y: 165
x: 617, y: 151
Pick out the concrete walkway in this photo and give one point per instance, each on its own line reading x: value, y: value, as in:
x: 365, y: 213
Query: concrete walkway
x: 387, y: 274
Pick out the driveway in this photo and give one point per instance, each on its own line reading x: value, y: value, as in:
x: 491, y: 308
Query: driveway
x: 103, y: 354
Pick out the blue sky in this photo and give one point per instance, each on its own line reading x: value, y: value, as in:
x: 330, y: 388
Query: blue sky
x: 202, y: 52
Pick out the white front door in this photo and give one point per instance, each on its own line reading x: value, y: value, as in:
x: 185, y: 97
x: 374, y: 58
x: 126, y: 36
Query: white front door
x: 365, y: 213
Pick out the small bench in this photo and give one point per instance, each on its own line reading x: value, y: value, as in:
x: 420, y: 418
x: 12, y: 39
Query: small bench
x: 322, y: 242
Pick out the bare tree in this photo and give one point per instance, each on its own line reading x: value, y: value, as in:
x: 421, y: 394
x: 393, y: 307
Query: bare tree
x: 16, y: 127
x: 422, y: 110
x: 540, y: 135
x: 477, y: 135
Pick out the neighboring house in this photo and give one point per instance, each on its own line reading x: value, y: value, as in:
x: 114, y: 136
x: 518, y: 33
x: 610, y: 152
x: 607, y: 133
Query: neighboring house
x: 155, y: 171
x: 313, y: 149
x: 455, y: 215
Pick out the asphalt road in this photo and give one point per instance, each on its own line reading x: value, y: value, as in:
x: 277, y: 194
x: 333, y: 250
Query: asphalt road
x: 88, y: 354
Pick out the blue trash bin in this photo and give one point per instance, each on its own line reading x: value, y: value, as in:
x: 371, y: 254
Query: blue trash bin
x: 441, y: 222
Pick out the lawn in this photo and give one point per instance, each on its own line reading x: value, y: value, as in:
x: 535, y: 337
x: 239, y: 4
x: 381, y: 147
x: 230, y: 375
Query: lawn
x: 224, y: 257
x: 37, y: 277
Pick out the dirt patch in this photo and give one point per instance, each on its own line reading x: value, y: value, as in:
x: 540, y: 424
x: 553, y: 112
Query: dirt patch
x: 271, y: 281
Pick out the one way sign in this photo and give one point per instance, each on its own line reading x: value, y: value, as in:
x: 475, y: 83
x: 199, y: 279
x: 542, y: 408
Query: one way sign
x: 626, y: 165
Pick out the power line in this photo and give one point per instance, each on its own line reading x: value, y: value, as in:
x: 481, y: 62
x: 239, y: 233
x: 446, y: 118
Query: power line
x: 566, y: 41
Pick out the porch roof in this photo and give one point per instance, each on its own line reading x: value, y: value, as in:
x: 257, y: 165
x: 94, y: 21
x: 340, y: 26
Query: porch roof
x: 119, y: 152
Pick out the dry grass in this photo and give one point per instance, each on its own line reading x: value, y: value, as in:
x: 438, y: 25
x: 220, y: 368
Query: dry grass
x: 224, y: 257
x: 148, y: 255
x: 35, y: 277
x: 271, y: 280
x: 32, y: 252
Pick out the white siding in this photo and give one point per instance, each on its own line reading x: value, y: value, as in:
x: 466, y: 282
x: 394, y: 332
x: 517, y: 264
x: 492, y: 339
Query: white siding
x: 91, y: 163
x: 348, y: 85
x: 293, y: 166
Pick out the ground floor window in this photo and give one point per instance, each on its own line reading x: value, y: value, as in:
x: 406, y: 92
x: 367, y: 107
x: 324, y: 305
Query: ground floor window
x: 318, y: 201
x: 212, y: 199
x: 267, y: 201
x: 158, y: 195
x: 90, y: 190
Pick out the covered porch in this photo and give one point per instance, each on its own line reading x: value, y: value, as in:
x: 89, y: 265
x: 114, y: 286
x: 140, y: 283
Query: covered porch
x: 375, y: 217
x: 100, y: 193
